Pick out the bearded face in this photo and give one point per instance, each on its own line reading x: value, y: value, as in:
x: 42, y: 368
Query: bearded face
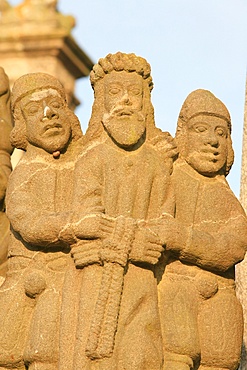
x: 124, y: 120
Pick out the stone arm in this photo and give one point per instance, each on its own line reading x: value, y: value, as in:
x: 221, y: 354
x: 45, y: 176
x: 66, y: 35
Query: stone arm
x: 215, y: 251
x: 5, y: 170
x: 89, y: 226
x: 148, y: 246
x: 29, y: 215
x: 99, y: 237
x: 88, y: 210
x: 165, y: 144
x: 5, y: 164
x: 5, y: 110
x: 5, y: 128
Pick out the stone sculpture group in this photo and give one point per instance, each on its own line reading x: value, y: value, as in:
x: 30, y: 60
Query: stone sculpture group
x: 123, y: 241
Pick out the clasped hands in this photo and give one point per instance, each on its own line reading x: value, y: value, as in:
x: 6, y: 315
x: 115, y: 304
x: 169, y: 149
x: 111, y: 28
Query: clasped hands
x: 150, y: 239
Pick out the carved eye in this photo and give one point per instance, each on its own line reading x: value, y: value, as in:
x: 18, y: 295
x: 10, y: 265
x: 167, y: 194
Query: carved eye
x: 114, y: 90
x: 56, y: 104
x: 32, y: 108
x: 200, y: 128
x: 220, y: 131
x: 135, y: 91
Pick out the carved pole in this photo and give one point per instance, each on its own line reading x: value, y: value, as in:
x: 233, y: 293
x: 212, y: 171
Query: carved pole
x: 114, y: 254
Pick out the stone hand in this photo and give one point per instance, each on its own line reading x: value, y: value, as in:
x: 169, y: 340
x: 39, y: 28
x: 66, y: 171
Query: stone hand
x: 165, y: 143
x: 86, y: 252
x: 119, y: 236
x: 146, y: 247
x: 93, y: 226
x: 173, y: 235
x: 107, y: 226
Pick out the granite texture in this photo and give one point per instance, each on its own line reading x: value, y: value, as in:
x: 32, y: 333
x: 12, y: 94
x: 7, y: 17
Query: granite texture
x: 123, y: 241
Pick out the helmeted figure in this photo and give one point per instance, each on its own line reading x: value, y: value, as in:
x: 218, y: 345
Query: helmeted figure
x: 5, y: 166
x: 201, y: 317
x: 31, y: 295
x: 121, y: 180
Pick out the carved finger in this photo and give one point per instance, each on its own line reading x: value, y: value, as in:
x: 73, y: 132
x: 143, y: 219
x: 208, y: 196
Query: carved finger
x: 171, y: 152
x: 153, y: 239
x: 155, y: 248
x: 107, y: 229
x: 84, y: 259
x: 107, y: 219
x: 151, y: 260
x: 81, y: 254
x: 154, y: 254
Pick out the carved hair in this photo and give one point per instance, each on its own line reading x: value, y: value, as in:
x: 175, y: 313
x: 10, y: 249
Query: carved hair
x: 26, y: 85
x: 203, y: 102
x: 119, y: 62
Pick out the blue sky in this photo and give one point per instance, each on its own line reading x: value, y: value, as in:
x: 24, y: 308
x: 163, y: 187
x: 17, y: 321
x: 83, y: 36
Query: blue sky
x: 190, y: 44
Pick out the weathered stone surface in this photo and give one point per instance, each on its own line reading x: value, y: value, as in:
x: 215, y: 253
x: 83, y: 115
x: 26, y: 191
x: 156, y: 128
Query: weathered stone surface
x: 121, y: 180
x: 122, y: 251
x: 5, y: 165
x: 38, y: 200
x: 35, y: 36
x: 201, y: 317
x: 38, y: 16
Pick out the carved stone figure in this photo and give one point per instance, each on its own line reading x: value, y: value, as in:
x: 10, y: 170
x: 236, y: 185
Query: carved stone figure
x: 121, y: 180
x: 30, y: 298
x: 5, y: 166
x: 94, y: 228
x: 201, y: 318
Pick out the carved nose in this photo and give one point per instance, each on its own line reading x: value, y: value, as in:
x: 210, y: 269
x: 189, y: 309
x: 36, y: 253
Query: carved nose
x: 213, y: 140
x: 49, y: 113
x: 126, y: 99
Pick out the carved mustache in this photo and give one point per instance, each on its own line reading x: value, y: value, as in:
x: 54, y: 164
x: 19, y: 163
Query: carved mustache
x: 122, y: 111
x: 50, y: 125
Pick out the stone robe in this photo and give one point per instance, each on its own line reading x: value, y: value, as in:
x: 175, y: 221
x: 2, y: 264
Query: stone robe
x: 38, y: 200
x: 134, y: 185
x: 197, y: 290
x: 5, y: 170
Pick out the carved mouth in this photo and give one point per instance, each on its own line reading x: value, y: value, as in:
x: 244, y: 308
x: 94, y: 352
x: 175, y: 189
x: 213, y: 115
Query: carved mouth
x: 211, y: 155
x: 52, y: 125
x: 123, y: 112
x: 210, y: 151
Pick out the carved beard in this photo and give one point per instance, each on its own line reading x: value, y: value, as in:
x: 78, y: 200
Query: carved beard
x: 124, y: 126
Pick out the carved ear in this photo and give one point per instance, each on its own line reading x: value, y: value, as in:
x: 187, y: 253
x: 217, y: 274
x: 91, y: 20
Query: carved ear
x: 180, y: 134
x: 18, y: 136
x: 230, y: 155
